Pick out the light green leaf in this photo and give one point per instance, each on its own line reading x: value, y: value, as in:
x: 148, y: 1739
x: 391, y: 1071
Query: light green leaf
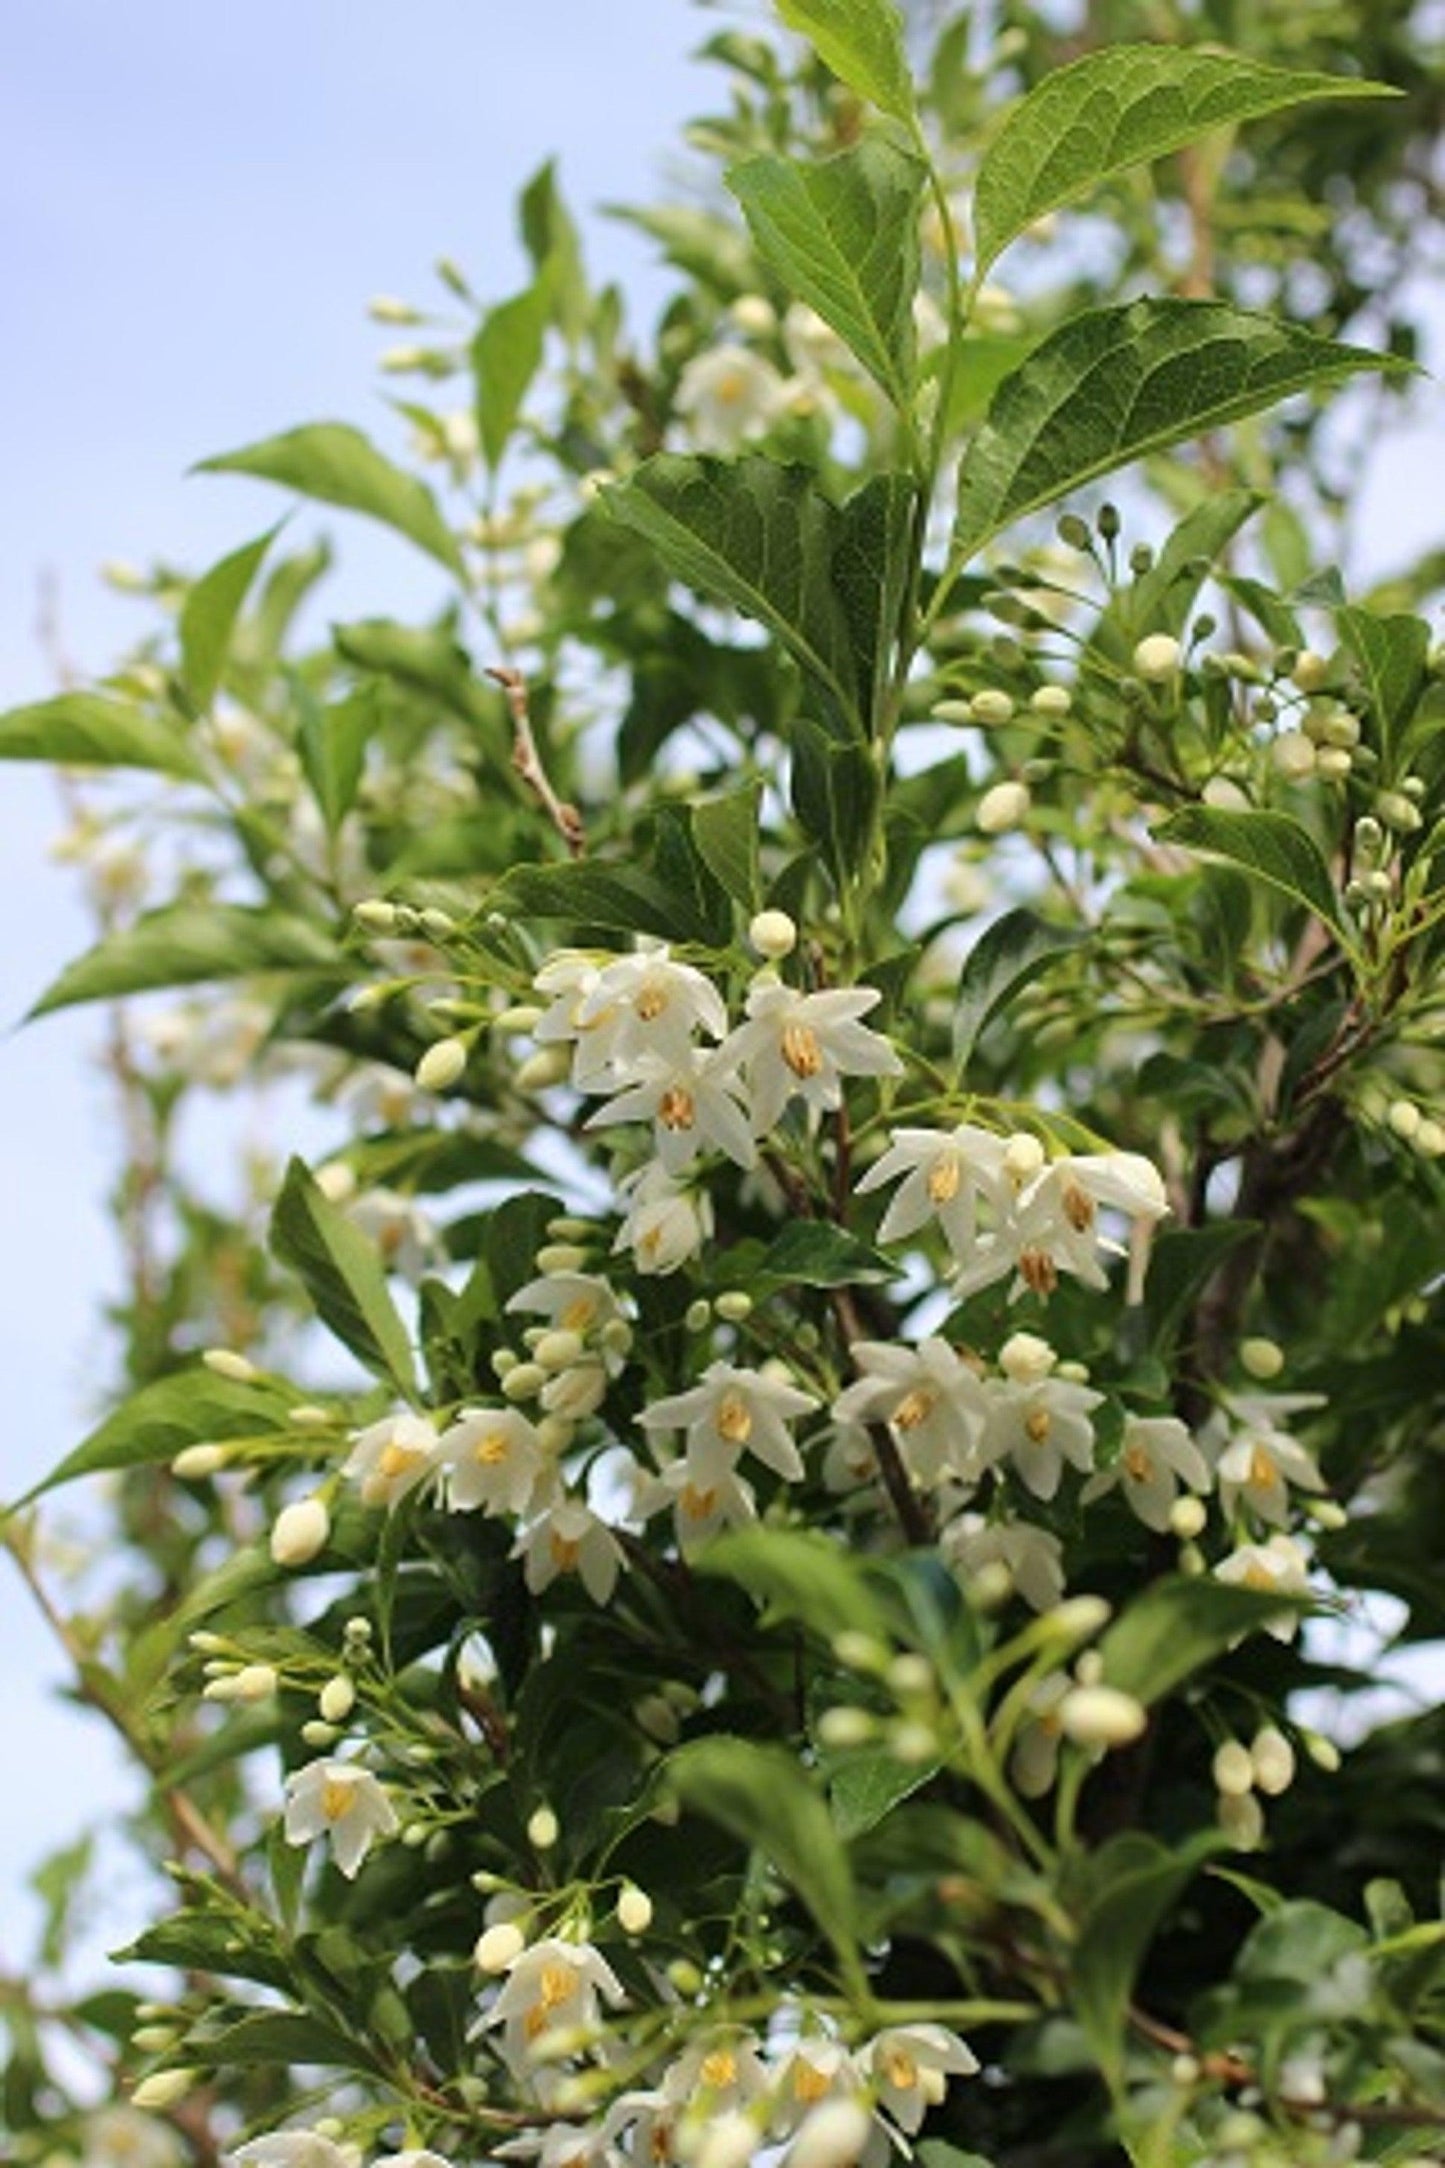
x: 1116, y: 383
x: 862, y: 42
x: 725, y: 831
x: 761, y: 1796
x: 1275, y: 847
x: 332, y: 744
x: 92, y: 730
x: 864, y: 1788
x: 1122, y: 107
x: 1005, y: 957
x: 336, y: 464
x: 209, y: 613
x: 1392, y: 653
x: 796, y: 1575
x: 186, y: 944
x: 624, y: 899
x: 506, y: 354
x: 1177, y: 1626
x: 842, y: 235
x: 191, y: 1407
x: 343, y: 1275
x: 1135, y: 1880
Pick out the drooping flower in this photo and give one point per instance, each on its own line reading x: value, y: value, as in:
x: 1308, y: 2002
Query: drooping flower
x: 1032, y: 1557
x: 945, y: 1174
x: 700, y: 1506
x: 1034, y: 1762
x: 797, y: 1045
x: 1256, y: 1460
x: 492, y: 1458
x: 812, y: 2071
x: 342, y: 1802
x: 568, y: 1537
x: 1055, y: 1223
x: 551, y: 1984
x: 727, y: 396
x: 732, y: 1411
x: 720, y: 2071
x: 1279, y: 1566
x: 665, y: 1222
x: 932, y: 1400
x: 393, y: 1457
x: 1156, y: 1456
x: 911, y: 2065
x: 693, y: 1103
x: 580, y: 1302
x: 1039, y: 1427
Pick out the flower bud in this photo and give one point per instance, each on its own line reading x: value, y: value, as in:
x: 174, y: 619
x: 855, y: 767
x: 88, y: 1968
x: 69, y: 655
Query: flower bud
x: 386, y: 309
x: 196, y: 1462
x: 1398, y: 812
x: 1187, y: 1517
x: 1404, y: 1118
x: 1023, y: 1157
x: 153, y: 2039
x: 337, y: 1699
x: 991, y: 707
x: 1322, y: 1751
x: 634, y: 1909
x: 860, y: 1651
x: 337, y: 1183
x: 301, y: 1531
x: 832, y: 2135
x: 1430, y: 1139
x: 1333, y: 763
x: 1025, y: 1358
x: 727, y: 2141
x: 558, y: 1349
x: 317, y: 1734
x: 543, y: 1829
x: 163, y: 2088
x: 441, y: 1065
x: 844, y: 1726
x: 1156, y: 659
x: 1101, y: 1716
x: 523, y: 1381
x: 951, y: 711
x: 549, y: 1065
x: 224, y: 1362
x: 1053, y: 701
x: 1274, y: 1761
x: 733, y: 1305
x: 555, y: 1434
x: 1310, y: 670
x: 1263, y: 1359
x: 773, y: 934
x: 256, y: 1682
x: 1241, y: 1817
x: 497, y: 1947
x: 307, y: 1415
x: 1233, y: 1769
x: 375, y: 915
x: 561, y: 1257
x: 1224, y: 793
x: 1293, y: 755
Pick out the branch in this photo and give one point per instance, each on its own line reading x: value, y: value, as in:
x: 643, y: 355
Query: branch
x: 528, y: 762
x: 914, y: 1516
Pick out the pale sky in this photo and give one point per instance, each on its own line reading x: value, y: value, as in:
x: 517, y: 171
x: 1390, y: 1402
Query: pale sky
x: 195, y: 204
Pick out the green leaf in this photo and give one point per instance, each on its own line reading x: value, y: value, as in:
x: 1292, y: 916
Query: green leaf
x: 835, y: 792
x: 815, y: 1253
x: 190, y: 1407
x: 336, y: 464
x: 1392, y: 653
x: 1123, y: 107
x: 506, y: 354
x: 1177, y: 1626
x: 1274, y: 847
x: 1135, y: 1882
x: 938, y: 2153
x: 870, y: 573
x: 343, y: 1275
x: 1182, y: 1262
x: 1161, y: 599
x: 862, y: 42
x: 278, y: 2036
x: 1113, y: 384
x: 209, y: 613
x: 186, y: 944
x: 332, y: 743
x: 92, y: 730
x: 796, y: 1575
x: 865, y: 1788
x: 761, y: 1796
x: 842, y: 236
x: 622, y: 899
x: 1005, y: 957
x: 725, y: 831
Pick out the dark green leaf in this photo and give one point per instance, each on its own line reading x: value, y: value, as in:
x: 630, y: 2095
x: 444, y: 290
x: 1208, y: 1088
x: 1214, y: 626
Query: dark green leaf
x: 332, y: 744
x: 866, y: 1787
x: 835, y: 793
x: 1182, y: 1262
x: 506, y: 354
x: 1116, y: 383
x: 796, y: 1575
x: 343, y: 1275
x: 92, y: 730
x: 862, y: 42
x: 336, y: 464
x: 842, y: 235
x: 186, y: 944
x: 725, y: 831
x: 623, y: 899
x: 191, y: 1407
x: 278, y: 2036
x: 1121, y: 107
x: 1135, y: 1881
x: 1274, y: 847
x: 1005, y: 957
x: 870, y: 571
x: 209, y: 613
x: 1392, y: 653
x: 1177, y: 1626
x: 815, y: 1253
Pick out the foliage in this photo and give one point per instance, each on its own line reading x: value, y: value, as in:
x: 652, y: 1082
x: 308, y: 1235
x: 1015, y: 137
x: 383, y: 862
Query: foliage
x: 726, y: 1566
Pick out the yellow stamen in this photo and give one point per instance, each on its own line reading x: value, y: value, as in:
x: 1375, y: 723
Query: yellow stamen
x: 557, y: 1986
x: 1038, y: 1271
x: 676, y: 1110
x: 399, y: 1460
x: 1262, y: 1472
x: 900, y: 2070
x: 492, y: 1450
x: 719, y: 2068
x: 809, y: 2084
x: 944, y: 1177
x: 913, y: 1409
x: 578, y: 1315
x: 651, y: 1002
x: 1257, y: 1576
x: 801, y: 1051
x: 1138, y: 1464
x: 1038, y: 1423
x: 565, y: 1550
x: 1079, y: 1208
x: 336, y: 1796
x: 696, y: 1504
x: 734, y: 1419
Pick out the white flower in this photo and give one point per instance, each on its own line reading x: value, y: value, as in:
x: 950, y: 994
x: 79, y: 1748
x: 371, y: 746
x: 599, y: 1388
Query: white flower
x: 665, y: 1223
x: 813, y: 2070
x: 122, y: 2137
x: 803, y: 1045
x: 718, y: 2072
x: 911, y: 2064
x: 1157, y: 1455
x: 1053, y: 1224
x: 730, y: 1412
x: 1039, y: 1427
x: 1032, y: 1557
x: 638, y: 1005
x: 491, y: 1458
x: 727, y: 396
x: 693, y: 1105
x: 1260, y: 1461
x: 293, y: 2149
x: 335, y: 1799
x: 569, y: 1538
x: 945, y: 1173
x: 835, y: 2134
x: 406, y: 1237
x: 700, y: 1506
x: 931, y: 1399
x: 393, y: 1457
x: 1279, y: 1566
x: 642, y: 2126
x: 580, y: 1302
x: 549, y: 1985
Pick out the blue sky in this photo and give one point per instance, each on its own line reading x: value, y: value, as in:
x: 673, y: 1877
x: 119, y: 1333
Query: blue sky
x: 195, y: 204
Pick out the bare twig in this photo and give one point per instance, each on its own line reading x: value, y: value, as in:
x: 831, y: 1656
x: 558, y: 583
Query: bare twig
x: 528, y: 762
x: 914, y: 1517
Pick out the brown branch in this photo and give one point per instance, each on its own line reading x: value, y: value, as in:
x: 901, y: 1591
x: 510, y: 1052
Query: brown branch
x: 528, y: 762
x: 914, y: 1516
x: 1233, y: 2071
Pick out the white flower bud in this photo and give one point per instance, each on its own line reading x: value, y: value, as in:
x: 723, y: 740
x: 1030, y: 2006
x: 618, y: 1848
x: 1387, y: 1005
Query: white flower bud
x: 337, y: 1699
x: 1053, y: 701
x: 1222, y: 792
x: 1310, y: 671
x: 1333, y: 763
x: 755, y: 315
x: 1430, y: 1139
x: 301, y: 1531
x: 1101, y: 1716
x: 1157, y: 658
x: 520, y: 1018
x: 1274, y: 1761
x: 543, y: 1829
x: 224, y: 1362
x: 1233, y: 1769
x: 733, y: 1305
x: 375, y: 914
x: 1322, y: 1751
x: 555, y: 1434
x: 860, y: 1651
x: 1398, y: 812
x: 832, y: 2135
x: 574, y: 1394
x: 1241, y: 1817
x: 1079, y: 1618
x: 991, y: 707
x: 845, y: 1726
x: 222, y: 1689
x: 1341, y: 729
x: 317, y: 1734
x: 441, y: 1065
x: 727, y: 2141
x: 306, y: 1415
x: 1293, y: 755
x: 1023, y: 1157
x: 256, y: 1682
x: 951, y: 711
x: 913, y: 1743
x: 634, y: 1909
x: 1026, y: 1359
x: 991, y: 1587
x: 163, y: 2089
x: 1187, y: 1517
x: 773, y: 934
x: 561, y: 1257
x: 558, y: 1349
x: 1089, y: 1669
x: 655, y: 1715
x: 386, y: 309
x: 523, y: 1381
x: 1263, y: 1359
x: 698, y: 1315
x: 1404, y: 1118
x: 196, y: 1462
x: 499, y: 1946
x: 910, y: 1674
x: 153, y: 2039
x: 549, y: 1065
x: 337, y: 1183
